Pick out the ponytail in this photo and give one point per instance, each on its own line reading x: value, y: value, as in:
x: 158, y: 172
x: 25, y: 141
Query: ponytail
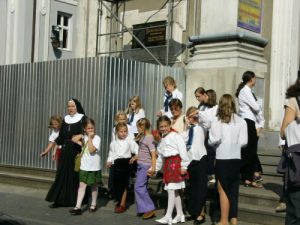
x: 241, y: 85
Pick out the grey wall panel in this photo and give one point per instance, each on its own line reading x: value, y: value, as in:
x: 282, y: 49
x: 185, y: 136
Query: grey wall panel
x: 31, y: 93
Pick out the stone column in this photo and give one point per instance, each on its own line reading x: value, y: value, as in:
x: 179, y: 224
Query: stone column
x: 223, y: 51
x: 284, y: 56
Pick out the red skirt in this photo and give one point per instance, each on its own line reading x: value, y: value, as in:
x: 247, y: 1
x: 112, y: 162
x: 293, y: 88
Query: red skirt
x: 57, y: 154
x: 172, y: 170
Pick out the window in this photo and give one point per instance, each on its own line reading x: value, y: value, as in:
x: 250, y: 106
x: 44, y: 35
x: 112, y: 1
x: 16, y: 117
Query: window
x: 64, y: 25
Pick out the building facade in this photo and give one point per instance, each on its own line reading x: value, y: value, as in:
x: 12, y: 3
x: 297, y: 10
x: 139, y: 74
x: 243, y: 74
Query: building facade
x: 215, y: 41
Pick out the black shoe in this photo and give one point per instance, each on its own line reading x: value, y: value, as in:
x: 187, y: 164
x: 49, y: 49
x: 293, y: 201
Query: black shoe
x: 54, y: 205
x: 197, y: 222
x: 75, y: 211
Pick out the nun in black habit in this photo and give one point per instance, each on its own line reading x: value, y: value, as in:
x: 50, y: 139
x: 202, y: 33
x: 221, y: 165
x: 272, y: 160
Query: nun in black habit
x: 63, y: 191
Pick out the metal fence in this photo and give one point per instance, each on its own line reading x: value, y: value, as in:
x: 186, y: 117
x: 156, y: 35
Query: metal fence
x: 31, y: 93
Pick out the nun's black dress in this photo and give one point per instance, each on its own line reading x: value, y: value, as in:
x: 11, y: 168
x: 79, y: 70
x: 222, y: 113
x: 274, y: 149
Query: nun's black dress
x: 63, y: 191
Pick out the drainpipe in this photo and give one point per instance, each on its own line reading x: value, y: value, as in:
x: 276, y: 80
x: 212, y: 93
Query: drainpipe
x: 33, y: 31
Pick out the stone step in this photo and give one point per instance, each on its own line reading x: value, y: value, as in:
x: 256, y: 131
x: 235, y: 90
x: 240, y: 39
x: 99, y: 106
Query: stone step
x: 27, y: 170
x: 269, y: 160
x: 271, y: 171
x: 269, y: 152
x: 25, y: 180
x: 260, y: 214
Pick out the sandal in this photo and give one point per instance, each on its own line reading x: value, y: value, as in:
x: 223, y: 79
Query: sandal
x: 200, y: 219
x: 253, y: 185
x: 93, y: 208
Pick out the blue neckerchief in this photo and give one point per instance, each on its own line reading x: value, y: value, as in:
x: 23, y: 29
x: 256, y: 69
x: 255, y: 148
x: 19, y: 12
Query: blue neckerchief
x: 191, y: 137
x: 131, y: 118
x: 166, y: 103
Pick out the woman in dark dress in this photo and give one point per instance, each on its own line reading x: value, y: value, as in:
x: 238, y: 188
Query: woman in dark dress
x: 63, y: 191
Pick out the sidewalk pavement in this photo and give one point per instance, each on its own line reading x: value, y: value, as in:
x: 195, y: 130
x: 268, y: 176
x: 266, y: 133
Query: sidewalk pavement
x: 28, y: 205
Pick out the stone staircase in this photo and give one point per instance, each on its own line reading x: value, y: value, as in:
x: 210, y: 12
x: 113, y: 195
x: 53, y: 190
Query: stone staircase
x: 256, y: 206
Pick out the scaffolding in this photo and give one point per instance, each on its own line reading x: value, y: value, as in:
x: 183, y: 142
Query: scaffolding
x: 116, y: 8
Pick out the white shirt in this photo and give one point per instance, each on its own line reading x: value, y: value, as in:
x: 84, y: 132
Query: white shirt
x: 171, y: 145
x: 248, y: 106
x: 91, y: 161
x: 139, y: 115
x: 207, y: 116
x: 54, y: 134
x: 122, y: 148
x: 228, y: 137
x: 130, y: 133
x: 175, y: 94
x: 197, y: 150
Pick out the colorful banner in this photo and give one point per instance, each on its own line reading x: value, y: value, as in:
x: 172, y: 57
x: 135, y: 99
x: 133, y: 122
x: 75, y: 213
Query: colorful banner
x: 249, y: 15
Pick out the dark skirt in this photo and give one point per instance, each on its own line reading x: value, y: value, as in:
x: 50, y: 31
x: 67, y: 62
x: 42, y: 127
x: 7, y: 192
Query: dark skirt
x: 64, y: 190
x: 121, y: 177
x: 228, y: 174
x: 198, y: 186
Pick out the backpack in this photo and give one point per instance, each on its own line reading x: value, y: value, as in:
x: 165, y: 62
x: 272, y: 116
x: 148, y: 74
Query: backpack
x: 290, y: 164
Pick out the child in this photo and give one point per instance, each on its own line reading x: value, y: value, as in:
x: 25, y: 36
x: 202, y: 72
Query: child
x: 134, y: 113
x: 172, y: 149
x: 178, y: 120
x: 171, y: 93
x: 90, y: 167
x: 119, y: 155
x: 54, y: 124
x: 228, y: 133
x: 194, y: 137
x: 146, y: 162
x: 201, y: 97
x: 121, y: 117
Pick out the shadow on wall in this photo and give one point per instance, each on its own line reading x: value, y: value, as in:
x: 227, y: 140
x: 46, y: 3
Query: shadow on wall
x: 57, y: 53
x: 160, y: 52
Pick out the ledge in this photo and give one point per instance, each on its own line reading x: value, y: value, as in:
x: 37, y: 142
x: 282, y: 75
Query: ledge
x: 226, y: 37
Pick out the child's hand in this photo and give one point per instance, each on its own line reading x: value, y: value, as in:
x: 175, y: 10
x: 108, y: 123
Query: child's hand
x: 108, y: 164
x: 151, y: 172
x: 159, y: 114
x: 133, y: 159
x: 54, y: 157
x: 91, y: 134
x: 43, y: 153
x: 183, y: 171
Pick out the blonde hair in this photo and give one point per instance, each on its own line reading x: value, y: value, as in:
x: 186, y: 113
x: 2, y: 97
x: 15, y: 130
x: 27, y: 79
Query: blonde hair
x: 191, y: 110
x: 145, y: 124
x: 120, y: 125
x: 57, y: 118
x: 137, y: 100
x: 226, y: 108
x: 118, y: 114
x: 169, y: 80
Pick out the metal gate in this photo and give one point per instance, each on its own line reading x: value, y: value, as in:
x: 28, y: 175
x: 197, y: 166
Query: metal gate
x: 31, y: 93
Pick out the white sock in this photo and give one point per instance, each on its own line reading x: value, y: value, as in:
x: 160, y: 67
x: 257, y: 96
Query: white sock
x: 171, y: 203
x: 178, y: 204
x: 94, y: 194
x: 80, y: 196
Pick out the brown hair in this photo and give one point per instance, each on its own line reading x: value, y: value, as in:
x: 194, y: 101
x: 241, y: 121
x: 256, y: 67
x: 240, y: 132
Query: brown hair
x: 200, y: 90
x: 163, y: 119
x: 57, y: 118
x: 247, y: 76
x: 293, y: 90
x: 169, y: 80
x: 212, y: 98
x: 226, y: 108
x: 175, y: 102
x: 88, y: 121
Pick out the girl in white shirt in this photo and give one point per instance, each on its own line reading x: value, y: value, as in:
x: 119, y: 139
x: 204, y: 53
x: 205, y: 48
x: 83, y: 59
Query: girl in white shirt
x: 134, y: 113
x: 250, y: 111
x: 55, y: 122
x: 171, y: 93
x: 172, y: 149
x: 120, y: 155
x: 194, y: 137
x: 228, y: 134
x: 90, y: 166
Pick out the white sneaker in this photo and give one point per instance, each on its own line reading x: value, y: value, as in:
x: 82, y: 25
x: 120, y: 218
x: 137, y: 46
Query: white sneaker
x: 165, y: 220
x: 179, y: 219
